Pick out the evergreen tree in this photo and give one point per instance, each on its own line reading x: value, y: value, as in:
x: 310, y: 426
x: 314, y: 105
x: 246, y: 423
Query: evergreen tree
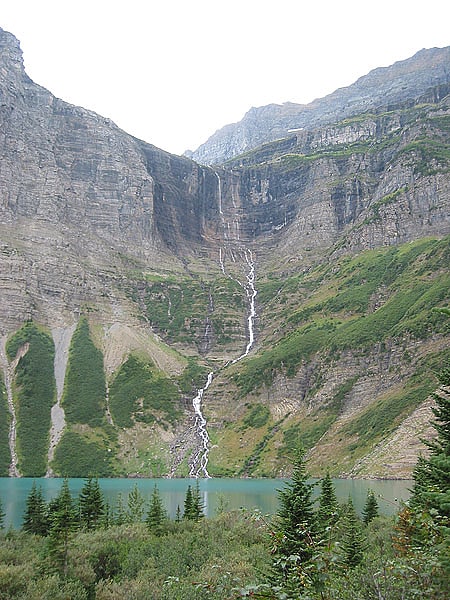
x: 2, y: 515
x: 120, y: 514
x: 35, y: 519
x: 197, y: 507
x: 431, y: 491
x: 328, y: 513
x: 352, y: 543
x: 136, y: 502
x: 297, y: 533
x: 370, y: 510
x: 188, y: 504
x: 157, y: 513
x: 63, y: 522
x: 193, y: 505
x: 91, y: 505
x: 178, y: 514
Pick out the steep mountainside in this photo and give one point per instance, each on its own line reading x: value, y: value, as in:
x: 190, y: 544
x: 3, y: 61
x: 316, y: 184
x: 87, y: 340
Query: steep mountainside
x: 403, y: 82
x: 295, y: 286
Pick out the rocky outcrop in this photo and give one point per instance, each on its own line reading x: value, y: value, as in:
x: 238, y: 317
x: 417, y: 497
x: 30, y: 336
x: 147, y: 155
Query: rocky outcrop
x: 90, y: 215
x: 404, y: 81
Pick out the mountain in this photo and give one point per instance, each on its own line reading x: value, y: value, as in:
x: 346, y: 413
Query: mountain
x: 295, y: 287
x: 403, y: 82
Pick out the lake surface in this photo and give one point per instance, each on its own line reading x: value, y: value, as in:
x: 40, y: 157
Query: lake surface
x: 261, y: 494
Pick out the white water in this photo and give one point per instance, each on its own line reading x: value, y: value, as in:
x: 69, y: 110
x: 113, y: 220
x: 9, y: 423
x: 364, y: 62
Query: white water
x: 251, y: 295
x: 219, y: 192
x: 200, y: 462
x: 231, y: 234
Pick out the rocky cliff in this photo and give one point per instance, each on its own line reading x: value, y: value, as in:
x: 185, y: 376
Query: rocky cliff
x: 404, y: 81
x: 110, y: 245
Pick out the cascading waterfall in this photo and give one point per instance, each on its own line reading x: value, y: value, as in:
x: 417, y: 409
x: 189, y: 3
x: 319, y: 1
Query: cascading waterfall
x: 199, y: 462
x: 251, y: 296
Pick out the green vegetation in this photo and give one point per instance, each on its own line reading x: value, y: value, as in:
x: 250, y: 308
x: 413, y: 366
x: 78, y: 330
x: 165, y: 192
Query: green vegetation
x: 5, y: 419
x: 141, y: 392
x: 257, y: 416
x: 78, y: 456
x: 193, y: 376
x: 316, y: 550
x: 382, y: 417
x: 178, y: 309
x: 352, y: 304
x: 34, y: 393
x: 84, y: 397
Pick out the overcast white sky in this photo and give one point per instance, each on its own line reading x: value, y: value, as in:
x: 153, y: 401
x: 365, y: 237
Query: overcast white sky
x: 172, y: 72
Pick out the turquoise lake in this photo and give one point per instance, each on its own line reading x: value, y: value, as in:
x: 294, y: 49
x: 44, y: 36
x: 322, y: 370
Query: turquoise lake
x: 250, y: 494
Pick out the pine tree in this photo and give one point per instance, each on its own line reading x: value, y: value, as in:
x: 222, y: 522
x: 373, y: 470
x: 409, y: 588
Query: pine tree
x: 136, y: 502
x: 197, y: 506
x: 2, y: 515
x: 91, y: 505
x: 297, y: 532
x: 35, y: 519
x: 431, y: 491
x: 188, y: 512
x: 328, y: 513
x: 193, y: 505
x: 352, y: 543
x: 63, y: 522
x: 120, y: 514
x: 157, y: 514
x: 370, y: 510
x: 178, y: 514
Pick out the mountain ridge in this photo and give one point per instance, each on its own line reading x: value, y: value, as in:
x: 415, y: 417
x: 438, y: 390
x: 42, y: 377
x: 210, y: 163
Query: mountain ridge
x: 404, y: 80
x: 346, y: 227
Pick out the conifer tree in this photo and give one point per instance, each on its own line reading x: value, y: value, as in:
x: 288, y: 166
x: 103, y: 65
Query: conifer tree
x: 136, y: 502
x: 2, y: 515
x: 188, y: 512
x: 370, y: 510
x: 35, y: 518
x: 157, y: 513
x: 120, y: 513
x: 193, y: 505
x: 178, y: 514
x: 197, y: 506
x: 432, y: 475
x: 430, y: 498
x: 352, y: 543
x: 63, y: 522
x: 297, y: 532
x: 328, y: 513
x: 91, y: 505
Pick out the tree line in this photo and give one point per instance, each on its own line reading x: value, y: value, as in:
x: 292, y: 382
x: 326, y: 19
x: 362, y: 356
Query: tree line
x: 309, y: 550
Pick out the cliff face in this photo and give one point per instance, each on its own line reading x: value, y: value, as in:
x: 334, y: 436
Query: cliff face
x: 402, y: 82
x: 156, y: 251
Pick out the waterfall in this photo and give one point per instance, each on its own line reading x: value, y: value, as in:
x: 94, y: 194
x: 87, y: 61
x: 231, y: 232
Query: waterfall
x: 251, y: 295
x: 231, y: 236
x: 200, y: 462
x: 219, y: 192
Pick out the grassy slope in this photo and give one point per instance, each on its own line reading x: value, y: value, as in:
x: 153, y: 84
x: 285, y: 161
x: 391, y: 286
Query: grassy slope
x: 359, y: 307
